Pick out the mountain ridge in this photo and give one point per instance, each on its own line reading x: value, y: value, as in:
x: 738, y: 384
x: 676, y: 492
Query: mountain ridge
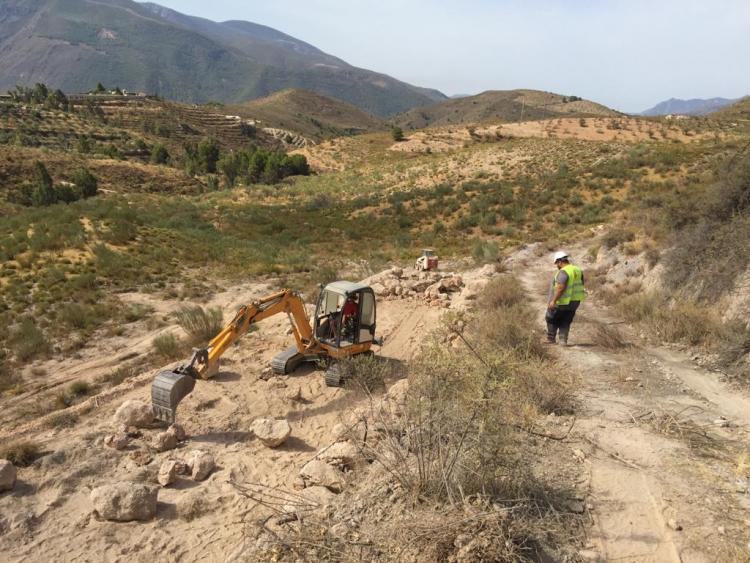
x: 74, y: 44
x: 694, y: 106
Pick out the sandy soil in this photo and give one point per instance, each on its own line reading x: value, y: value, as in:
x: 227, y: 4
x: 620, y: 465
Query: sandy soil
x: 659, y: 439
x: 50, y: 503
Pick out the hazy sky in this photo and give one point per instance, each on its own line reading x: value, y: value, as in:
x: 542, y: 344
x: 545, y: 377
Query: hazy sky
x: 627, y: 54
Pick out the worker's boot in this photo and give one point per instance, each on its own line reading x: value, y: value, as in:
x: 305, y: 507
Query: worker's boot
x: 564, y: 337
x: 551, y: 333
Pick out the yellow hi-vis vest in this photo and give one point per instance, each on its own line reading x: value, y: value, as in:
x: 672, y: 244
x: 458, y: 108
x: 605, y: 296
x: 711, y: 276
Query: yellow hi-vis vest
x: 574, y: 289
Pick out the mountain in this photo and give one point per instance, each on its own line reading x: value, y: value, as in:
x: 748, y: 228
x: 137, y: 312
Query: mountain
x: 500, y: 105
x: 309, y: 114
x: 688, y: 107
x: 73, y: 44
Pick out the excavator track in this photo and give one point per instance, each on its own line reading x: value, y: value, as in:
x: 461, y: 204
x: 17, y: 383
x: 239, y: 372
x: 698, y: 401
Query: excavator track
x: 287, y: 361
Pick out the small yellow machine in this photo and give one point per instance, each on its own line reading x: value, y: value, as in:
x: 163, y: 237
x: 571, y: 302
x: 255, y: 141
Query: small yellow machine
x: 343, y: 326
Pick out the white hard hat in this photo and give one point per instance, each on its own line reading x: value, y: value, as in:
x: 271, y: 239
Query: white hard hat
x: 560, y: 254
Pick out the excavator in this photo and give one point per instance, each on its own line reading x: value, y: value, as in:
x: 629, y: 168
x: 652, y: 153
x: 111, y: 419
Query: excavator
x: 343, y: 326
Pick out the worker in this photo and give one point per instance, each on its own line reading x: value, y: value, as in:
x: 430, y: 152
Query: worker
x: 349, y: 313
x: 565, y: 296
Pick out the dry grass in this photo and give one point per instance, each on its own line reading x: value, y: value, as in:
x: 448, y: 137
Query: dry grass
x: 680, y: 320
x: 20, y: 453
x: 168, y: 346
x: 608, y: 337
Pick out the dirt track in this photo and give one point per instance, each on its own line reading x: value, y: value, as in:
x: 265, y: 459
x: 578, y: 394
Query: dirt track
x: 652, y: 443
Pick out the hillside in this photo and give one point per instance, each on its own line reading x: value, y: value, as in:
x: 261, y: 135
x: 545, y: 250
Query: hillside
x: 500, y: 105
x: 308, y: 114
x: 74, y: 44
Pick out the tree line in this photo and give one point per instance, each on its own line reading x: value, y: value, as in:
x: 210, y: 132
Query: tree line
x: 42, y: 191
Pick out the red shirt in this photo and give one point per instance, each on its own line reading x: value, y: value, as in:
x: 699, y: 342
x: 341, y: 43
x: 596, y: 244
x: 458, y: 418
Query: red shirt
x: 350, y: 308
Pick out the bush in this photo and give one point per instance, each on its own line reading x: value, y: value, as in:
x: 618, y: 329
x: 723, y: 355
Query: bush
x: 397, y: 134
x: 159, y: 154
x: 20, y: 453
x: 28, y: 342
x: 167, y: 346
x: 201, y: 325
x: 86, y: 183
x: 79, y: 388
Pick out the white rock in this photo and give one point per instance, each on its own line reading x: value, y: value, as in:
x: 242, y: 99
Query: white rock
x: 7, y: 475
x: 118, y: 441
x: 396, y: 394
x: 134, y: 413
x: 124, y: 502
x: 379, y: 289
x: 178, y: 431
x: 272, y: 432
x: 318, y: 472
x: 167, y: 472
x: 309, y: 500
x: 396, y: 271
x: 340, y: 453
x: 293, y: 393
x: 165, y: 441
x: 201, y: 464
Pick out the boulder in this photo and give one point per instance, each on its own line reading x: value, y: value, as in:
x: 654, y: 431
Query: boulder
x: 178, y: 431
x: 379, y: 289
x: 293, y: 393
x: 396, y: 271
x: 165, y: 441
x: 397, y: 393
x: 118, y: 441
x: 7, y: 475
x: 201, y: 464
x: 340, y: 453
x: 309, y: 500
x: 134, y: 413
x: 124, y: 502
x: 272, y: 432
x: 167, y: 473
x: 318, y: 472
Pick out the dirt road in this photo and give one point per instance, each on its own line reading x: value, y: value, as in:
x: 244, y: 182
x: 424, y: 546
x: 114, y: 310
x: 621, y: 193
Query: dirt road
x: 660, y: 441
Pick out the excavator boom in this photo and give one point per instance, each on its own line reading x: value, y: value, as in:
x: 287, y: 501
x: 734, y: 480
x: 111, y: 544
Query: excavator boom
x: 170, y: 387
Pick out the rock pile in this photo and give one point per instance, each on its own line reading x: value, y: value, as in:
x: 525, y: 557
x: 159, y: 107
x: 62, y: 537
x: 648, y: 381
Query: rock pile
x: 437, y: 288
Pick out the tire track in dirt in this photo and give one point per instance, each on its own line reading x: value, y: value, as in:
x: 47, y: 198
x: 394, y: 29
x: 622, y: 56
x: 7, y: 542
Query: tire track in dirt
x: 640, y: 479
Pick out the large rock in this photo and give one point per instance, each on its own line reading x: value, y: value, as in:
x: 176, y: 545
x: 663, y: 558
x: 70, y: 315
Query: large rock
x: 134, y: 413
x: 167, y: 473
x: 118, y: 441
x: 272, y: 432
x: 379, y: 289
x: 124, y: 502
x: 165, y: 441
x: 309, y: 500
x: 178, y: 431
x: 7, y: 475
x: 318, y: 472
x: 201, y: 464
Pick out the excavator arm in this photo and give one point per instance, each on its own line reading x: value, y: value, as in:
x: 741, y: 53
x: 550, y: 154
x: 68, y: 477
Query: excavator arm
x: 170, y: 387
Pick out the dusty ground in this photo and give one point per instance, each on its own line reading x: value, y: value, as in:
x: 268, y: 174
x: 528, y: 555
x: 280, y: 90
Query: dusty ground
x: 660, y: 439
x: 50, y: 503
x: 661, y: 472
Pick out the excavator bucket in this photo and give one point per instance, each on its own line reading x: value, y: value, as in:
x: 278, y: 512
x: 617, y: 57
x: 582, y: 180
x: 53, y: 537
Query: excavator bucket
x: 168, y: 389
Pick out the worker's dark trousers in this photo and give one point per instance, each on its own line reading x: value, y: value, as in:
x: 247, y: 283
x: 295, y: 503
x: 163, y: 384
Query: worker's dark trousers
x: 559, y: 320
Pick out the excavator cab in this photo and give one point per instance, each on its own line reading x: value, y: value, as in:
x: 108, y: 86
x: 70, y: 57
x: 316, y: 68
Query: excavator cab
x: 345, y: 315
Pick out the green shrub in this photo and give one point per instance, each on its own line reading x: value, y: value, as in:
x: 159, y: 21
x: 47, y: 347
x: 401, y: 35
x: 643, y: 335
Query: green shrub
x: 200, y: 324
x: 167, y: 346
x: 397, y: 134
x: 21, y: 452
x: 28, y: 341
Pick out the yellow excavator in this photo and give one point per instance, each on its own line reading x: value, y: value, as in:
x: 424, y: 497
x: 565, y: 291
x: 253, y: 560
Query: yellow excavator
x: 343, y: 326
